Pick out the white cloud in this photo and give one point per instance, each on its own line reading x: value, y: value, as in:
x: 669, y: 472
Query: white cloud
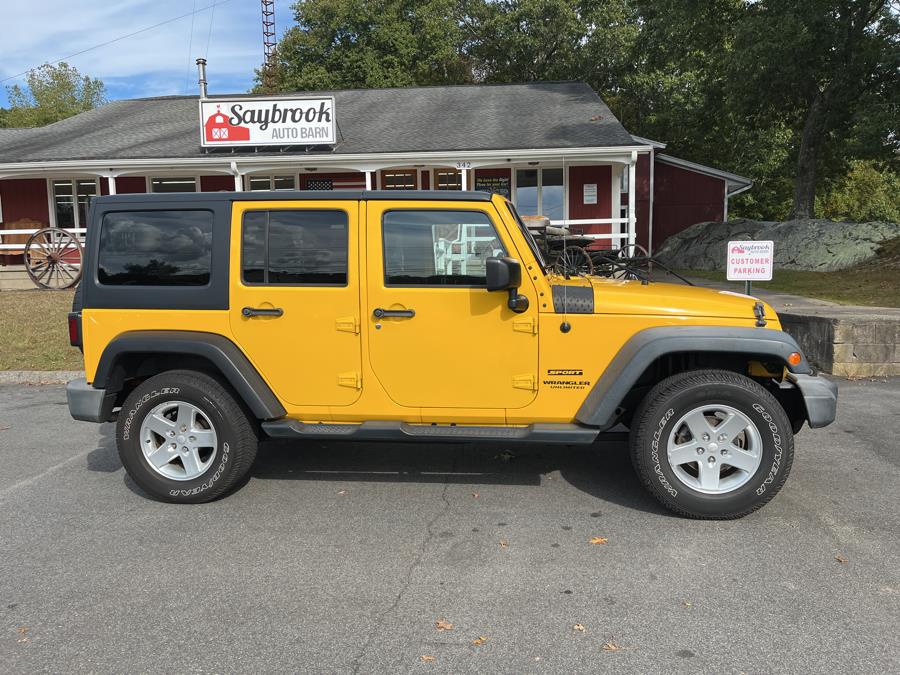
x: 152, y: 63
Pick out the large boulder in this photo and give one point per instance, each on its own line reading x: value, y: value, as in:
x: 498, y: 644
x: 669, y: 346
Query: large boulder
x: 820, y: 245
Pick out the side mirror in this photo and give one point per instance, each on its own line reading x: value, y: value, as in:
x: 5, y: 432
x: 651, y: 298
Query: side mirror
x: 505, y: 274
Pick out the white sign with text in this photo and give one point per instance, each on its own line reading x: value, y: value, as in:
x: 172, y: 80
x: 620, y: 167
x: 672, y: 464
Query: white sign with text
x: 589, y: 193
x: 750, y: 260
x: 267, y: 121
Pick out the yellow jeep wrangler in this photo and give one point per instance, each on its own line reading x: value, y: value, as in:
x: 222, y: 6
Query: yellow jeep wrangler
x: 209, y: 321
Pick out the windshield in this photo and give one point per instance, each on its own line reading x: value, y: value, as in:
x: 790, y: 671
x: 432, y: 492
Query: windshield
x: 532, y: 244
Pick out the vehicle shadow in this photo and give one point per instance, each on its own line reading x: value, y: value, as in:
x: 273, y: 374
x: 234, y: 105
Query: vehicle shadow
x: 602, y: 470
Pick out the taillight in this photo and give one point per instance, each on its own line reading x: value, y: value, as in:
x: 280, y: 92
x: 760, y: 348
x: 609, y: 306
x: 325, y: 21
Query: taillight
x: 75, y: 329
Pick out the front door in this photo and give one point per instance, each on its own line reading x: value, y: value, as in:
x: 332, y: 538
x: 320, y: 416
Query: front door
x: 438, y: 338
x: 295, y: 297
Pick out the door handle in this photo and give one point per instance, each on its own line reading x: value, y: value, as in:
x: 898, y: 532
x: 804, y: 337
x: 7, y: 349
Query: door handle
x: 262, y: 311
x: 379, y: 313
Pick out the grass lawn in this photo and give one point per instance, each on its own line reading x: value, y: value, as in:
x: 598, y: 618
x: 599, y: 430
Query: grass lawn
x: 33, y: 331
x: 870, y: 286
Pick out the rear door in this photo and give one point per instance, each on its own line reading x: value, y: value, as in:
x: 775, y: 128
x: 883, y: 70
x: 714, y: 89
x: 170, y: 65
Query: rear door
x: 295, y: 297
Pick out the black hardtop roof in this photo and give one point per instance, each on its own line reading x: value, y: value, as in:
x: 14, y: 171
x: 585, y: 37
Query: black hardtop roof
x: 296, y: 195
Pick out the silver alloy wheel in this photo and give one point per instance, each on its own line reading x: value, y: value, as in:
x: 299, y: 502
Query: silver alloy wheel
x: 178, y: 440
x: 714, y: 449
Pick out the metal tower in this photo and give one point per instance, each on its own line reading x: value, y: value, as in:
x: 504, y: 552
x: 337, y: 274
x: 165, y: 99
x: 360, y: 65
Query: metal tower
x: 268, y: 30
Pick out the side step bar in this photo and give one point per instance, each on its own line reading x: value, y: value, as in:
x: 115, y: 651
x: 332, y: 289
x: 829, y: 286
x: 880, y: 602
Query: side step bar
x: 571, y: 434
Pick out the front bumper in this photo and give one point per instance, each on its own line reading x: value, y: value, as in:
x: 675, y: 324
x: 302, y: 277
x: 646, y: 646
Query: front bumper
x: 819, y: 397
x: 88, y: 404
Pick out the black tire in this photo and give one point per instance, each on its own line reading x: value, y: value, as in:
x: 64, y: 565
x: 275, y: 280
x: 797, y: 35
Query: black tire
x: 236, y: 442
x: 653, y: 425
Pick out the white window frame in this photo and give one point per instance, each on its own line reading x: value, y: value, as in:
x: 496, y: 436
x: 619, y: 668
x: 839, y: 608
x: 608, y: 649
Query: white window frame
x: 51, y: 198
x: 182, y: 176
x: 271, y: 178
x: 540, y: 186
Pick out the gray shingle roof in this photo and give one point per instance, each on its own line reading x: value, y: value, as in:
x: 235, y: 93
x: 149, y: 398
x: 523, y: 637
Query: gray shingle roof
x: 417, y: 119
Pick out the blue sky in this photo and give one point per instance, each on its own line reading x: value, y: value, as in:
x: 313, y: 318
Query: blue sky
x: 154, y: 63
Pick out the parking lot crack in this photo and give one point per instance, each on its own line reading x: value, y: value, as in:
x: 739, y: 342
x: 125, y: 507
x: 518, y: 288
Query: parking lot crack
x: 356, y: 664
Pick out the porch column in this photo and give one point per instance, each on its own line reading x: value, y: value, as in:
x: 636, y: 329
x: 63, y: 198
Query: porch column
x: 111, y: 180
x: 632, y: 220
x: 464, y: 183
x: 368, y: 180
x: 238, y: 178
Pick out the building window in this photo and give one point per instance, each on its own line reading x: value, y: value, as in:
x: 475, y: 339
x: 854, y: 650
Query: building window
x: 71, y: 199
x: 288, y: 247
x: 399, y: 180
x: 448, y: 180
x: 438, y: 248
x: 181, y: 184
x: 272, y: 183
x: 156, y: 248
x: 541, y: 192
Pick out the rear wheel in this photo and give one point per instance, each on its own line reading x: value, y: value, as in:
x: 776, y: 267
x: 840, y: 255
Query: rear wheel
x: 183, y: 437
x: 711, y: 444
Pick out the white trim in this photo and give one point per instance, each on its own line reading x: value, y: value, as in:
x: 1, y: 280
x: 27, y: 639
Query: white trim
x: 51, y: 203
x: 742, y: 182
x: 650, y: 204
x: 615, y: 200
x: 656, y: 145
x: 1, y: 208
x: 221, y: 164
x: 632, y: 207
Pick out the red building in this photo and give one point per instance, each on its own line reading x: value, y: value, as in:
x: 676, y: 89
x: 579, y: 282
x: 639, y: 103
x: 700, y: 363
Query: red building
x: 553, y: 147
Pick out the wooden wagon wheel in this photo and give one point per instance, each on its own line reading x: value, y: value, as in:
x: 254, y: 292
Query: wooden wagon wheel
x: 626, y: 253
x: 573, y: 260
x: 53, y: 258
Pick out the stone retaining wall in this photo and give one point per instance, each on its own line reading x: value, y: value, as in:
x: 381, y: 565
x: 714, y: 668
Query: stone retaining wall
x: 863, y: 345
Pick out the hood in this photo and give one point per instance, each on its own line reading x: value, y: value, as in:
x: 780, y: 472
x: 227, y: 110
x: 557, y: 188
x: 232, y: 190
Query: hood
x: 613, y: 296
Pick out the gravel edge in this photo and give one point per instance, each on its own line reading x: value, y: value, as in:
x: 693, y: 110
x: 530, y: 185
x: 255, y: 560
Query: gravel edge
x: 39, y: 376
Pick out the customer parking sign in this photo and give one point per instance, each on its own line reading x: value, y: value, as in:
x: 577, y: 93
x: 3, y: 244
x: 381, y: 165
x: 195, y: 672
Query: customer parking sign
x: 750, y: 260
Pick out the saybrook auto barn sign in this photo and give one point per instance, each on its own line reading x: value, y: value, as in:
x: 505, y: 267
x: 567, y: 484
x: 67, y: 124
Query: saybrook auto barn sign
x: 267, y: 121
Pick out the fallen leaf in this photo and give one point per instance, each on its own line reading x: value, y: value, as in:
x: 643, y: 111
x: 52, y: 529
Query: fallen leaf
x: 4, y: 428
x: 610, y: 647
x: 504, y: 543
x: 426, y: 657
x: 479, y: 640
x: 685, y: 603
x: 475, y: 495
x: 443, y: 624
x: 841, y: 559
x: 505, y: 456
x: 342, y: 492
x: 599, y: 540
x: 23, y: 639
x: 21, y: 630
x: 578, y: 627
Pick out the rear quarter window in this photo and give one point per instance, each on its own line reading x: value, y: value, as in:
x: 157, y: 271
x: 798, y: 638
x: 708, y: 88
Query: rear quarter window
x: 155, y: 248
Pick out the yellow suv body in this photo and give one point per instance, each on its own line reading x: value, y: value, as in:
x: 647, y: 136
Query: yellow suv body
x: 415, y: 316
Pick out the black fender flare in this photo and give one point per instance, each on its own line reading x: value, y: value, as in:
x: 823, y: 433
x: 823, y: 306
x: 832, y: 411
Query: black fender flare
x: 226, y: 356
x: 646, y: 346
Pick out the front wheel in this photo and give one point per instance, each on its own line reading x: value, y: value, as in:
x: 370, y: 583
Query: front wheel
x: 711, y: 444
x: 182, y: 437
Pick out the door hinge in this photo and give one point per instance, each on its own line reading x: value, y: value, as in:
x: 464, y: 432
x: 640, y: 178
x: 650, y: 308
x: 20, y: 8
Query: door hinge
x: 528, y: 325
x: 352, y: 380
x: 528, y: 382
x: 347, y: 324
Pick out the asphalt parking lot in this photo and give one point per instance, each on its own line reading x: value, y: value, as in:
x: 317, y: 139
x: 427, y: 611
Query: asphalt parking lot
x: 342, y: 558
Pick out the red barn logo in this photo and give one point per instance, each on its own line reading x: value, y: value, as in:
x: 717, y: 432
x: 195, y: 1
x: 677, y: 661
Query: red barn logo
x: 218, y: 129
x: 738, y: 249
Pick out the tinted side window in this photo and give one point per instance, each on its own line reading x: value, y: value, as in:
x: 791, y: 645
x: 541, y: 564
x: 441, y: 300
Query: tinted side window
x: 155, y: 248
x: 295, y: 247
x: 438, y: 248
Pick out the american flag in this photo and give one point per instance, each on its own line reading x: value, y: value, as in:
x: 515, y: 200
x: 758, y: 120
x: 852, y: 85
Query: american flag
x: 320, y: 184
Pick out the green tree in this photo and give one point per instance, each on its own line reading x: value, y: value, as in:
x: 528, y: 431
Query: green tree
x: 53, y: 93
x: 870, y: 191
x: 380, y: 43
x: 826, y: 67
